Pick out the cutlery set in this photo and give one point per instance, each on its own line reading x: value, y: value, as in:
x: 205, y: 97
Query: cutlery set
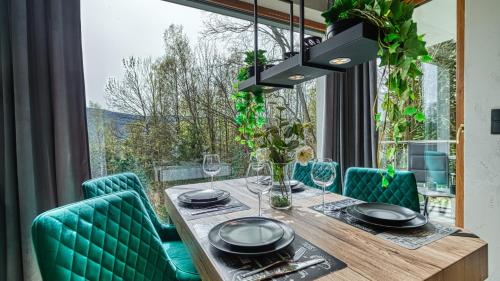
x: 295, y: 258
x: 287, y: 269
x: 248, y: 236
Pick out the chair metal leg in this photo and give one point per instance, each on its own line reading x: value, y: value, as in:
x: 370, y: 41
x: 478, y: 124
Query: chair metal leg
x: 426, y: 206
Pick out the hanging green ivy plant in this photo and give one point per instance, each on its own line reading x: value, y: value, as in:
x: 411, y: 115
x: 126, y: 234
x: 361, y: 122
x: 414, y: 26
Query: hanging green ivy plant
x: 401, y: 52
x: 250, y: 106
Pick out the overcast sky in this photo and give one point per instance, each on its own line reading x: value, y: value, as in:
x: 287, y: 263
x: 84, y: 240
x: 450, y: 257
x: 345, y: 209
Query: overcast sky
x: 115, y: 29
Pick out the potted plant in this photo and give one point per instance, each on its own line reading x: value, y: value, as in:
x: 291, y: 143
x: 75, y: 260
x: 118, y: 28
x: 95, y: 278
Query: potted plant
x: 280, y: 143
x: 250, y: 60
x: 401, y: 52
x: 276, y: 143
x: 338, y: 17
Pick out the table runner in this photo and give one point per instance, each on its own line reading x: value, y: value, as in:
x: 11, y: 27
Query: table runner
x: 410, y: 238
x: 234, y: 266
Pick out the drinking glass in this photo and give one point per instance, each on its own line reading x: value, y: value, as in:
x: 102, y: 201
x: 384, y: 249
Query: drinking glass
x: 323, y: 174
x: 211, y: 166
x: 259, y: 180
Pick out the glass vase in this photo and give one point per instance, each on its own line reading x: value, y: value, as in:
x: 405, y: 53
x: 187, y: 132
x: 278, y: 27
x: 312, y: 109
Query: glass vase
x: 280, y: 194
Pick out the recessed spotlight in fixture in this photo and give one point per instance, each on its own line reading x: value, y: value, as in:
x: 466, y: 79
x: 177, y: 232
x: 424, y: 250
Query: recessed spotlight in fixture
x: 296, y: 77
x: 339, y: 61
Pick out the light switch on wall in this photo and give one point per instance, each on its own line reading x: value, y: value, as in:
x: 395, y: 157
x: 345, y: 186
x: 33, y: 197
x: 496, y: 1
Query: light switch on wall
x: 495, y: 121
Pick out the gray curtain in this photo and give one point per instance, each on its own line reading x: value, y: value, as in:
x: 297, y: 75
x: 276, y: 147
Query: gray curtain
x: 43, y: 138
x: 349, y: 133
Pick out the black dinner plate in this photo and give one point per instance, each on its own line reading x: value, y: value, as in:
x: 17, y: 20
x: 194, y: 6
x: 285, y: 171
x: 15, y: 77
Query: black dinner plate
x: 203, y: 196
x: 251, y: 232
x: 382, y: 212
x: 418, y: 221
x: 294, y: 184
x: 298, y: 188
x: 219, y: 244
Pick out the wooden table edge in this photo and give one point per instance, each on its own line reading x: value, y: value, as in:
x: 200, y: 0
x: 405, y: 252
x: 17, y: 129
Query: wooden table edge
x: 201, y: 258
x: 187, y: 236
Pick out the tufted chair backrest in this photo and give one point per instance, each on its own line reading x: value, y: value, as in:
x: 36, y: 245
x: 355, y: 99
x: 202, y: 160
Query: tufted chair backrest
x: 105, y: 238
x: 120, y: 182
x: 366, y: 184
x: 303, y: 174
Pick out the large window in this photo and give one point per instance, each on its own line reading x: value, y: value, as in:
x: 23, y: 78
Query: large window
x: 159, y: 81
x: 429, y: 148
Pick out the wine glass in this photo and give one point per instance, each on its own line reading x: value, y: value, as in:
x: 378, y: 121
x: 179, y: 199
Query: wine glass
x: 259, y: 180
x: 323, y: 174
x: 211, y: 166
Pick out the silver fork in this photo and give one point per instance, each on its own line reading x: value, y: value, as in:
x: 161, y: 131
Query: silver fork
x: 298, y: 254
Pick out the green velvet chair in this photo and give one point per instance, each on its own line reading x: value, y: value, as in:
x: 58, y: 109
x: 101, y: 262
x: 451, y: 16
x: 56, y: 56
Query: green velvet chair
x: 303, y: 174
x: 109, y: 237
x: 128, y: 181
x: 366, y: 184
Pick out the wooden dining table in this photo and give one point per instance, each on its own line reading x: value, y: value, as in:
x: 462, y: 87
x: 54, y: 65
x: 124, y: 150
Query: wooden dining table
x: 368, y: 257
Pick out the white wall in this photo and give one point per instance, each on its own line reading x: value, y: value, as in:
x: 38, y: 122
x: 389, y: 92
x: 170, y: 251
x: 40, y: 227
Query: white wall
x: 482, y: 150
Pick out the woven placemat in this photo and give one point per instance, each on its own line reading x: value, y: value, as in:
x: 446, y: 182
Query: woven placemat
x: 409, y: 238
x: 234, y: 265
x: 191, y: 213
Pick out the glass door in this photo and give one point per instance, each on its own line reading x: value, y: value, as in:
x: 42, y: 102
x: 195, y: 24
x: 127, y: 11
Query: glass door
x: 431, y: 155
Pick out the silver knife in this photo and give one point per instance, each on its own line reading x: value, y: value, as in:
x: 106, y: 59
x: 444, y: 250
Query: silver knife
x: 289, y: 268
x: 215, y: 210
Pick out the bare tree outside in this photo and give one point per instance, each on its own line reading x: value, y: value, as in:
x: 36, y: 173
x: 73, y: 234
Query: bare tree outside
x: 169, y: 111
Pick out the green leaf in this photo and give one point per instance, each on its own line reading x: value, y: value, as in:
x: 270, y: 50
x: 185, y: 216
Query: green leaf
x: 390, y: 171
x: 259, y: 99
x: 390, y: 37
x: 280, y: 144
x: 380, y: 52
x: 426, y: 58
x: 385, y: 182
x: 337, y: 11
x: 250, y: 144
x: 420, y: 117
x: 392, y: 49
x: 405, y: 28
x: 384, y: 8
x: 261, y: 121
x: 410, y: 110
x: 396, y: 9
x: 243, y: 74
x: 389, y: 153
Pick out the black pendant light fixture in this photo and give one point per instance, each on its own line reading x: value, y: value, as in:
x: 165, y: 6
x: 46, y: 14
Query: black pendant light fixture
x: 357, y: 44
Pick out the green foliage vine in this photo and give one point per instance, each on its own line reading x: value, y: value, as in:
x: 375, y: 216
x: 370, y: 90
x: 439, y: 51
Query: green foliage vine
x: 401, y: 52
x: 250, y: 106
